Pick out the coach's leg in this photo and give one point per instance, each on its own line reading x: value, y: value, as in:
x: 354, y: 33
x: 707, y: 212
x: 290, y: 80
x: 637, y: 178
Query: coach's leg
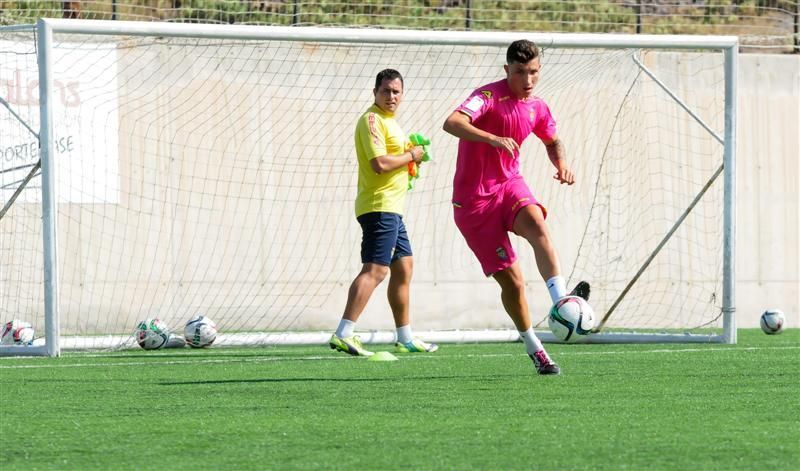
x: 398, y: 293
x: 361, y: 289
x: 399, y: 286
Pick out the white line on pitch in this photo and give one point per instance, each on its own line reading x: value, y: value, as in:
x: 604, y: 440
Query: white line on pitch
x: 188, y: 361
x: 334, y: 357
x: 623, y: 352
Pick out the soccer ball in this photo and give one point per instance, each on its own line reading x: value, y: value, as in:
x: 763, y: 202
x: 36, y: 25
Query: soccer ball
x: 772, y: 321
x: 152, y: 334
x: 571, y: 319
x: 200, y: 332
x: 17, y: 332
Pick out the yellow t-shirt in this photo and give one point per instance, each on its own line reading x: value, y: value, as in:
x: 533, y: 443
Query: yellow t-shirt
x: 377, y: 134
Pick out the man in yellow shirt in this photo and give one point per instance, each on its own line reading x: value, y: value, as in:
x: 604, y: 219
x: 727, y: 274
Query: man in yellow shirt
x: 384, y: 153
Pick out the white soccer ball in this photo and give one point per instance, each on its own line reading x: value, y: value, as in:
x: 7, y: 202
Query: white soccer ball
x: 151, y: 334
x: 772, y: 321
x: 571, y: 319
x: 200, y: 332
x: 17, y: 332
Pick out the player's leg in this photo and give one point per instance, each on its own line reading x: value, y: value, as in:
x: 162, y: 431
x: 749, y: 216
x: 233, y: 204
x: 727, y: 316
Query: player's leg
x: 402, y: 268
x: 512, y: 294
x: 528, y: 218
x: 484, y: 225
x: 530, y: 224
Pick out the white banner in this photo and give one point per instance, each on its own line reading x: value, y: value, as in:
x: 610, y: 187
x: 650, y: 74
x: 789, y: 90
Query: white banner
x: 85, y: 118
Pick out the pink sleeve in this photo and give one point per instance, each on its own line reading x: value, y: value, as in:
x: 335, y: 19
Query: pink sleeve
x: 545, y: 127
x: 476, y: 105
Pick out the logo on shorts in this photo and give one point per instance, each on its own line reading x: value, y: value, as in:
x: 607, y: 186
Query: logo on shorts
x: 501, y: 252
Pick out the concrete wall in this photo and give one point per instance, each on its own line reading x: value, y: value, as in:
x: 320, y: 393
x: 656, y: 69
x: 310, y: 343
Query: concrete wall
x: 768, y: 207
x: 238, y: 202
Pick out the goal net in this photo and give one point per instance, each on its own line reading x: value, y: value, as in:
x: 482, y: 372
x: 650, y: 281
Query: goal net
x: 201, y: 169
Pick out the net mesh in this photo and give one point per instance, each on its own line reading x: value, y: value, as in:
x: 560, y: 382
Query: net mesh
x: 217, y: 177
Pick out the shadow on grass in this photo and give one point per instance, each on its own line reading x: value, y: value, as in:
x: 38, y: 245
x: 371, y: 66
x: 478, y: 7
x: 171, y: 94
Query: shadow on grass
x: 337, y: 380
x: 220, y: 354
x: 188, y: 355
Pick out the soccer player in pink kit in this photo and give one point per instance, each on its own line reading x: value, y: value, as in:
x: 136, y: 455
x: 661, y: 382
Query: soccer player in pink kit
x: 490, y: 197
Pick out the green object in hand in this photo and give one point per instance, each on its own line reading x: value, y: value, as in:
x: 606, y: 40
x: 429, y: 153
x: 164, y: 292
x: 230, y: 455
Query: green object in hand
x: 413, y: 169
x: 420, y: 140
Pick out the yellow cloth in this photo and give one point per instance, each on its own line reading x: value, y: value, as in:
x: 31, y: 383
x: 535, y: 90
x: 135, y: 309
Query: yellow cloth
x: 377, y: 134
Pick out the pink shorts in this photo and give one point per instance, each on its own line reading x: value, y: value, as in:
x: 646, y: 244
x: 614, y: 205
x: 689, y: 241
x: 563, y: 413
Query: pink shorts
x: 486, y: 222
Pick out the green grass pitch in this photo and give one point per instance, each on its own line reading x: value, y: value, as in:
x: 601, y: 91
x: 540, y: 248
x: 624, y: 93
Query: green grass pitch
x: 465, y: 407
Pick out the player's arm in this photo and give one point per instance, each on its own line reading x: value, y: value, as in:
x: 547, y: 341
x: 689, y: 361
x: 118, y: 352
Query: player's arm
x: 557, y: 155
x: 460, y: 125
x: 387, y: 163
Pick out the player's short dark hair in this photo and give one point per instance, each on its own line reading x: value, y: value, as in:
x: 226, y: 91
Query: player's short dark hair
x: 387, y: 74
x: 522, y: 51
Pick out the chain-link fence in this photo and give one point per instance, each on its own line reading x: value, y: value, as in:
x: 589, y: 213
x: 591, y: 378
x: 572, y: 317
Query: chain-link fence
x: 768, y: 24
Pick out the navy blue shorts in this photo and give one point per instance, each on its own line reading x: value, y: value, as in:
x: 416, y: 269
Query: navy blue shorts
x: 384, y: 238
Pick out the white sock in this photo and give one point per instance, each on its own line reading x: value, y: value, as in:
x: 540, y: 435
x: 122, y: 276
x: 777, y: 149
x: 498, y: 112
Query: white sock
x: 532, y: 343
x: 345, y: 329
x: 404, y: 334
x: 557, y: 287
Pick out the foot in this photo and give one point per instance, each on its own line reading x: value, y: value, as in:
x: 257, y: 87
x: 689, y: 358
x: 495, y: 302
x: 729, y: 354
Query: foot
x: 581, y: 289
x: 415, y: 346
x: 544, y: 365
x: 351, y: 345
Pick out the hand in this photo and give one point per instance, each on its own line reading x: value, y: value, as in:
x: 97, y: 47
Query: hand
x: 565, y: 175
x: 506, y: 143
x: 417, y: 153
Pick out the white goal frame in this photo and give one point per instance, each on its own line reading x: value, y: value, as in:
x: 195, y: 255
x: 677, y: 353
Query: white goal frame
x: 45, y: 29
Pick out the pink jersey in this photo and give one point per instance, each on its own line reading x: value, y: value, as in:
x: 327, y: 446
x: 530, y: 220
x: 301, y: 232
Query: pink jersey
x: 481, y: 168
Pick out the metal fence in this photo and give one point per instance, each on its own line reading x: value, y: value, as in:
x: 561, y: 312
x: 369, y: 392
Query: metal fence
x: 770, y: 24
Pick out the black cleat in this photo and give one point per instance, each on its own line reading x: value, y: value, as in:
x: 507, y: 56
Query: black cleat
x: 582, y: 290
x: 544, y: 365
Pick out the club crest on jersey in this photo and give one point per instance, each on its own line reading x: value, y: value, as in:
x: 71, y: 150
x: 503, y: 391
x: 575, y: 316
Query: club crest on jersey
x: 501, y: 252
x: 487, y: 94
x: 533, y: 115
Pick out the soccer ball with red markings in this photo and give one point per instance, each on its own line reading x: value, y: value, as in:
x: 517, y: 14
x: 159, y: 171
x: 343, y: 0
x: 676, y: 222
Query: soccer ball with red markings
x: 571, y: 319
x: 200, y: 332
x: 17, y: 332
x: 151, y: 334
x: 772, y: 321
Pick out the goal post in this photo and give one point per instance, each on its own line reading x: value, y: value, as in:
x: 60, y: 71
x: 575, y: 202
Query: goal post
x: 209, y: 169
